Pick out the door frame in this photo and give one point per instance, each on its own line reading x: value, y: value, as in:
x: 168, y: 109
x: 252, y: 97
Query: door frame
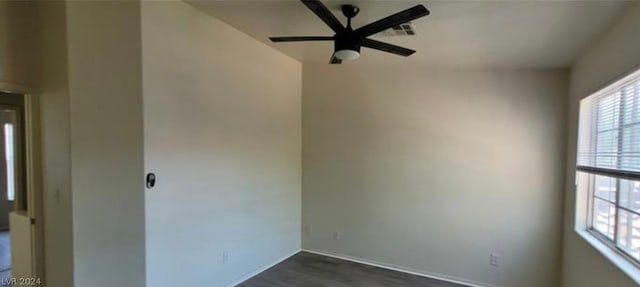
x: 35, y: 196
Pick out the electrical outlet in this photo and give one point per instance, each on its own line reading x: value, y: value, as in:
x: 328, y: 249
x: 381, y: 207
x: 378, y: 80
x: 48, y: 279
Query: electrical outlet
x: 495, y: 259
x: 225, y: 257
x: 308, y: 229
x: 336, y: 235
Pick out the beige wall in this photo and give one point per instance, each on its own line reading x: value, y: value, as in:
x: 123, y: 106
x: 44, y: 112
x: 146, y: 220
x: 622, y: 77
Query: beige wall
x: 432, y: 170
x: 612, y: 56
x: 18, y: 39
x: 222, y: 133
x: 33, y: 59
x: 53, y: 92
x: 107, y: 157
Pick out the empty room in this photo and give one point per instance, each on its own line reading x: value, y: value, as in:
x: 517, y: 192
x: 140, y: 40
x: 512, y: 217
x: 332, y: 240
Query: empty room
x: 320, y: 143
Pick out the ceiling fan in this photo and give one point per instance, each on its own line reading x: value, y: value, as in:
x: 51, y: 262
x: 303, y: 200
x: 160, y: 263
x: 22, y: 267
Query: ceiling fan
x: 347, y: 41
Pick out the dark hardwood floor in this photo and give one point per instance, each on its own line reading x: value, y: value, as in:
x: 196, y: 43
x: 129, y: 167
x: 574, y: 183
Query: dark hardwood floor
x: 311, y: 270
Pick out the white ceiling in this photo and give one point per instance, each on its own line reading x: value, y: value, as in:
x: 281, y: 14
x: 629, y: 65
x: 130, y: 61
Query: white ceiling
x: 522, y: 34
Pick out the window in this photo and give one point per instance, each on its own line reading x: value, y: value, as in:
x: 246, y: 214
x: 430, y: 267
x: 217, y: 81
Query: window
x: 609, y: 165
x: 9, y: 155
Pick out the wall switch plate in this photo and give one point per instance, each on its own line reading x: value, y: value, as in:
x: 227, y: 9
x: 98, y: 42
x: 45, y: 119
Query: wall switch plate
x: 56, y: 195
x: 495, y: 259
x: 225, y: 257
x: 336, y: 235
x: 308, y: 229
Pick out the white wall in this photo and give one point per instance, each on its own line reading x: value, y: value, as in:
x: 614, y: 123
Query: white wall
x: 107, y: 157
x: 222, y: 133
x: 433, y: 170
x: 612, y: 56
x: 53, y: 92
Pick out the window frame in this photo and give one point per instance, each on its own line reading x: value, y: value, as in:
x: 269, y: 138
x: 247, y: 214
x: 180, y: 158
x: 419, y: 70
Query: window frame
x: 617, y: 174
x: 611, y: 243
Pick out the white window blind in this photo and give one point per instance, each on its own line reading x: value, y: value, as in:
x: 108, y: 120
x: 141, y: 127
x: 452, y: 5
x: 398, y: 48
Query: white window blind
x: 609, y: 140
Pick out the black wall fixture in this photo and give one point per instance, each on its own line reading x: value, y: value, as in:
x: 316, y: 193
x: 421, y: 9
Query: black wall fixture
x: 151, y: 180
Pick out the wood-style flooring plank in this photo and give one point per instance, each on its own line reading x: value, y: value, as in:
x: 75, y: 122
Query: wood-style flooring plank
x: 312, y: 270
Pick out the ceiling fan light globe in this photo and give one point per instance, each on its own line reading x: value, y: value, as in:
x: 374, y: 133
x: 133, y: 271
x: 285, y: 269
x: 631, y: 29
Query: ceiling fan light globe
x: 347, y: 55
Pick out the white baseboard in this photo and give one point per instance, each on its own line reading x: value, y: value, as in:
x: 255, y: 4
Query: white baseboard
x: 401, y: 269
x: 262, y: 269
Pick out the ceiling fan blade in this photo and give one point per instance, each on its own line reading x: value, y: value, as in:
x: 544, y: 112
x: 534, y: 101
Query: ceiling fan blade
x: 301, y: 38
x: 386, y: 47
x: 323, y: 12
x: 393, y: 20
x: 334, y: 60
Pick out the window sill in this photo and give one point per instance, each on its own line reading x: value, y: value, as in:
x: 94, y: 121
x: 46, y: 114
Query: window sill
x: 612, y: 255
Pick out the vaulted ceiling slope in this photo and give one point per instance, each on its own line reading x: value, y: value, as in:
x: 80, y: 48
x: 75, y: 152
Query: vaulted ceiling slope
x: 513, y: 34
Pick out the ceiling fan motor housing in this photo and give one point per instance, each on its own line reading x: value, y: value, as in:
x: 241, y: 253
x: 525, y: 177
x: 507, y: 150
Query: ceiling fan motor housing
x: 347, y: 42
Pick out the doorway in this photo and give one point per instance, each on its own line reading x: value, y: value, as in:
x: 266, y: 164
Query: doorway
x: 13, y: 192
